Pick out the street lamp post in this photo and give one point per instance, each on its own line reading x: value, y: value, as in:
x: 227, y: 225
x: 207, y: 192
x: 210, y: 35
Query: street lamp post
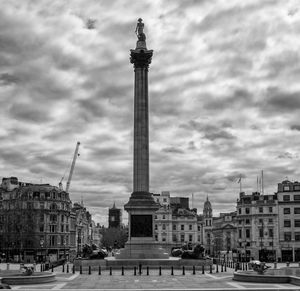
x: 42, y: 244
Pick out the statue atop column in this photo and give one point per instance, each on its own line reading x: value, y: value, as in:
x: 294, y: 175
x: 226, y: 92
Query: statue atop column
x: 139, y: 30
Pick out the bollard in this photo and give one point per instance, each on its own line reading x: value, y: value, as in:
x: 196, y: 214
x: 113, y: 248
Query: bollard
x: 90, y: 270
x: 183, y: 271
x: 159, y: 270
x: 134, y: 271
x: 110, y: 271
x: 52, y: 268
x: 217, y: 268
x: 275, y: 265
x: 194, y: 270
x: 73, y: 269
x: 80, y: 270
x: 147, y: 270
x: 172, y: 271
x: 210, y: 269
x: 202, y: 269
x: 140, y: 269
x: 7, y: 266
x: 67, y: 268
x: 99, y: 270
x: 122, y: 273
x: 63, y: 268
x: 222, y: 268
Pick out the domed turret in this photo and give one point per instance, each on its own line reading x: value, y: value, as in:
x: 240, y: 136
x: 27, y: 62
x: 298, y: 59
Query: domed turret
x: 207, y: 210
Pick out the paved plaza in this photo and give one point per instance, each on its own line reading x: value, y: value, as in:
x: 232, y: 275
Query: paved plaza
x: 153, y: 281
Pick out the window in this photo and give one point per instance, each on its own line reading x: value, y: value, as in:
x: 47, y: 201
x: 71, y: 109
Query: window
x: 67, y: 228
x: 261, y: 232
x: 240, y: 211
x: 155, y: 226
x: 164, y: 217
x: 42, y: 218
x: 174, y: 237
x: 286, y: 211
x: 199, y: 228
x: 190, y: 227
x: 270, y: 220
x: 182, y: 237
x: 297, y: 222
x: 261, y: 221
x: 163, y: 239
x: 296, y: 210
x: 198, y: 237
x: 287, y: 236
x: 62, y: 228
x: 287, y: 223
x: 286, y: 188
x: 182, y: 226
x: 297, y: 188
x: 297, y: 197
x: 156, y: 237
x: 42, y: 205
x: 29, y: 205
x: 286, y: 197
x: 261, y: 209
x: 174, y: 226
x: 247, y: 221
x: 42, y: 228
x: 271, y: 209
x: 270, y: 243
x: 165, y: 199
x: 190, y: 237
x: 52, y: 240
x: 53, y: 217
x: 240, y: 221
x: 52, y: 228
x: 297, y: 236
x: 62, y: 218
x: 155, y: 217
x: 270, y: 232
x: 247, y: 233
x: 53, y: 206
x: 247, y: 210
x: 240, y: 233
x: 164, y: 227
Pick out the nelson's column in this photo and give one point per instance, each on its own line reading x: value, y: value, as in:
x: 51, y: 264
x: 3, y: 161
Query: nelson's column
x: 141, y: 205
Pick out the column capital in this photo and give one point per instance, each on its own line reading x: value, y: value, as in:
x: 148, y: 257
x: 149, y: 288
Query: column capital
x: 141, y: 58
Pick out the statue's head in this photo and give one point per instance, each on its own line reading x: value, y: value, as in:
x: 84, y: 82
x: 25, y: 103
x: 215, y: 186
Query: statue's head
x: 140, y: 20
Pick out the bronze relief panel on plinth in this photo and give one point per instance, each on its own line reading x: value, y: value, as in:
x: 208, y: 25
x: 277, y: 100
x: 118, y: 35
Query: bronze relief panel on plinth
x: 141, y: 226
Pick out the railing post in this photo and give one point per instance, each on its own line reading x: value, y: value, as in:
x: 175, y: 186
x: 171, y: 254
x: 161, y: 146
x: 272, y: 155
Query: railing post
x: 80, y: 270
x: 52, y: 269
x: 99, y: 270
x: 183, y: 270
x: 110, y: 271
x: 140, y: 269
x: 63, y: 267
x: 172, y: 271
x: 134, y: 271
x: 122, y: 273
x: 210, y: 269
x: 194, y: 270
x: 159, y: 270
x: 147, y: 270
x: 202, y: 269
x: 90, y: 270
x: 73, y: 269
x: 67, y: 268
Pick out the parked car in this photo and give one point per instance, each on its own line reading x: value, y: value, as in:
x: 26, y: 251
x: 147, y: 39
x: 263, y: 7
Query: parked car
x: 4, y: 286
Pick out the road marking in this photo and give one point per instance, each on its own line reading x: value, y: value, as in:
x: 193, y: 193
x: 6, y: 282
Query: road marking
x: 59, y: 286
x: 236, y: 285
x: 218, y: 278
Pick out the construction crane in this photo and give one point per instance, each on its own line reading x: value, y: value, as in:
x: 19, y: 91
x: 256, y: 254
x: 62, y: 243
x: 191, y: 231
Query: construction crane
x: 72, y: 167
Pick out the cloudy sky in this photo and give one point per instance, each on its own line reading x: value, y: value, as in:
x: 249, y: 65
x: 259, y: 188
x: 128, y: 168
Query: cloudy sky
x: 223, y: 92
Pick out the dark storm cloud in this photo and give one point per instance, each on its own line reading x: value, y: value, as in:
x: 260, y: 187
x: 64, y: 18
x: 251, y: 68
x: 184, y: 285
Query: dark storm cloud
x: 295, y: 127
x: 209, y: 131
x: 7, y: 79
x: 279, y: 100
x: 30, y: 113
x: 172, y: 150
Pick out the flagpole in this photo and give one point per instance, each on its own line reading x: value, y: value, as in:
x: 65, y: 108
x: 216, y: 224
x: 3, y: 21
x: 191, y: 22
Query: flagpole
x: 262, y: 182
x: 240, y: 183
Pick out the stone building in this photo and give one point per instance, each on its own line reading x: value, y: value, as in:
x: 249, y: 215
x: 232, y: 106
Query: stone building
x: 38, y: 223
x: 257, y: 227
x: 114, y: 217
x: 34, y: 221
x: 288, y: 196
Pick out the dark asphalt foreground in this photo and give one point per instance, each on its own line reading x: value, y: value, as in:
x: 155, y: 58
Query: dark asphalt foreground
x: 216, y: 281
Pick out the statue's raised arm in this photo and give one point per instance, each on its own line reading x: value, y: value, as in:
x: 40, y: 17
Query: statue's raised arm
x: 139, y: 30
